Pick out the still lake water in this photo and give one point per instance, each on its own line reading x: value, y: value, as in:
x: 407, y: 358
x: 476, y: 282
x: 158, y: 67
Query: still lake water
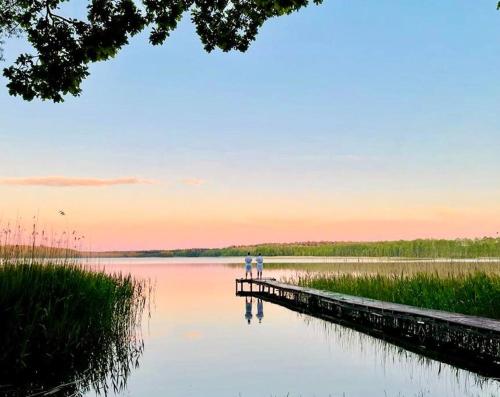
x: 198, y: 342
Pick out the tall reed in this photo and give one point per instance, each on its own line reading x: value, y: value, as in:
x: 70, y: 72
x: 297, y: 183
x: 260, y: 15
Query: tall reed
x: 65, y: 325
x: 475, y: 293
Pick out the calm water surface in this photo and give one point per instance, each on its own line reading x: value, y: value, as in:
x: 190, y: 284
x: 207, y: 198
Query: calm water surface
x: 202, y: 340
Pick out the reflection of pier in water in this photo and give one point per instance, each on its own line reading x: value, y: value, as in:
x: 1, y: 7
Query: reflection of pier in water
x: 467, y: 342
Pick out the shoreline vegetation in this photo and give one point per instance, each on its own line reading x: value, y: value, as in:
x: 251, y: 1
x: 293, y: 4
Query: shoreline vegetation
x: 487, y: 247
x: 474, y: 293
x: 66, y: 327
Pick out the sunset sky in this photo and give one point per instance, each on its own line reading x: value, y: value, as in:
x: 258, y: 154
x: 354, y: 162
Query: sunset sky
x: 352, y: 120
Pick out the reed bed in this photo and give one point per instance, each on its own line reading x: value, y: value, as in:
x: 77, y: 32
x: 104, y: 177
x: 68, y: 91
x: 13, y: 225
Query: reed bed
x: 474, y: 293
x: 65, y: 327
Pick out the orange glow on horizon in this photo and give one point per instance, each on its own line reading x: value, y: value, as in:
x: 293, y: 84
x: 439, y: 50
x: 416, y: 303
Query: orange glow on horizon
x: 154, y: 217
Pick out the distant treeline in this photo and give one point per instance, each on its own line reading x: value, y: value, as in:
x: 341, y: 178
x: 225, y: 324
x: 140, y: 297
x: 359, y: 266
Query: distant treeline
x: 422, y: 248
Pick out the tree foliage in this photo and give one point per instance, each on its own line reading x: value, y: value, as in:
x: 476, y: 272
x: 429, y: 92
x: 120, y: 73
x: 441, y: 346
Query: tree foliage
x: 7, y: 22
x: 64, y: 45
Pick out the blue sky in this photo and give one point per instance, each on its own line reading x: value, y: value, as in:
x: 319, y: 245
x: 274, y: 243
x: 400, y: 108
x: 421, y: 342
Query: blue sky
x: 348, y: 102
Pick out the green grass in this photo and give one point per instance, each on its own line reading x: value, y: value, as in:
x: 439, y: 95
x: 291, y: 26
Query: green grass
x: 62, y: 323
x: 476, y: 293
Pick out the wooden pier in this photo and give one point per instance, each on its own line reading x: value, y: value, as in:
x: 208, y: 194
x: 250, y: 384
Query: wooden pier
x: 469, y: 342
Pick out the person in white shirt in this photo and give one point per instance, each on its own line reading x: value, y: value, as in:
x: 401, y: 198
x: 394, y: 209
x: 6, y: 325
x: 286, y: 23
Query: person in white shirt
x: 248, y: 265
x: 260, y: 265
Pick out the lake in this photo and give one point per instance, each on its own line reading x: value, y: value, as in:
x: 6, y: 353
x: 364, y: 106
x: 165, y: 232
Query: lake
x: 202, y: 340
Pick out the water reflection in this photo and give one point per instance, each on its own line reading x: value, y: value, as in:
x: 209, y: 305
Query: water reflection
x: 260, y: 310
x: 388, y: 354
x: 104, y: 369
x: 248, y: 309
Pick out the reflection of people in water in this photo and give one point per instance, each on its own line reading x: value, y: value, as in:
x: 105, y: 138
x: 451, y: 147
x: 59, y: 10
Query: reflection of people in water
x: 248, y: 309
x: 260, y: 265
x: 260, y: 310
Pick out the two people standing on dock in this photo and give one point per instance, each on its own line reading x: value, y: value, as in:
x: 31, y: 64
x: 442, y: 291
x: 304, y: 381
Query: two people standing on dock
x: 248, y: 265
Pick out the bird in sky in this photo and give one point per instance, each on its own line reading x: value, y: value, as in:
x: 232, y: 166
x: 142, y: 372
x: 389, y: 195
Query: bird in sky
x: 61, y: 212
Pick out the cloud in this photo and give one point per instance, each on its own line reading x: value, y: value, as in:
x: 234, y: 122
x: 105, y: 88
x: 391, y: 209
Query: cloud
x: 63, y: 181
x: 193, y: 181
